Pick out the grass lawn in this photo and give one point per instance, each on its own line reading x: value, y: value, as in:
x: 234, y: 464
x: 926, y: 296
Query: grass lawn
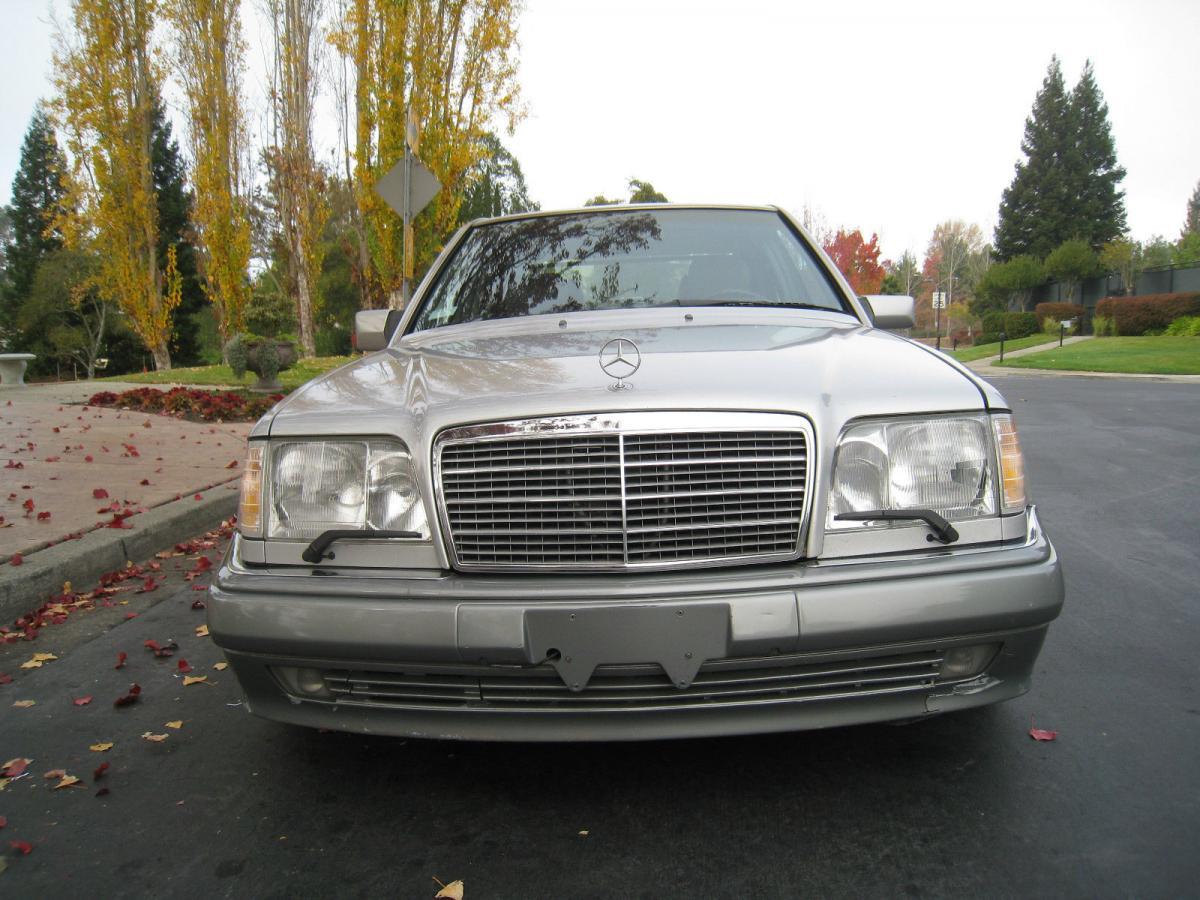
x: 1129, y: 355
x: 292, y: 378
x: 979, y: 351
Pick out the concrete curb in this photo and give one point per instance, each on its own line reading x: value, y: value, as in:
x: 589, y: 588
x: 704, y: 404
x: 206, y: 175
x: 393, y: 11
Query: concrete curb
x: 24, y: 588
x: 1018, y: 371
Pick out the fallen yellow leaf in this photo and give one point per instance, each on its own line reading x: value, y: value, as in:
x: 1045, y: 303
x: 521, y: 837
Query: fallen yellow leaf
x: 67, y: 781
x: 221, y: 666
x: 194, y: 679
x: 101, y: 748
x: 584, y: 833
x: 24, y: 704
x: 55, y: 773
x: 201, y: 631
x: 177, y: 724
x: 44, y: 657
x: 4, y: 783
x: 31, y: 664
x: 156, y: 738
x: 451, y: 891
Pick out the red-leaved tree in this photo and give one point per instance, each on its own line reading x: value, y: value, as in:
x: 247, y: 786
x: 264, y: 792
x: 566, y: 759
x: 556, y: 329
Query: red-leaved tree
x: 858, y: 259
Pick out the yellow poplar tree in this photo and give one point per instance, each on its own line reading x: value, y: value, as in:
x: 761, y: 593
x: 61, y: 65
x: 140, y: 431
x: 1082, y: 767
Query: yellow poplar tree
x: 454, y: 63
x: 209, y: 63
x: 107, y: 81
x: 298, y: 181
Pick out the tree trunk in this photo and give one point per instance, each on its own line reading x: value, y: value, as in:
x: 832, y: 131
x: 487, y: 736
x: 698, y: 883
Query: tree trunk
x: 304, y: 301
x: 162, y: 356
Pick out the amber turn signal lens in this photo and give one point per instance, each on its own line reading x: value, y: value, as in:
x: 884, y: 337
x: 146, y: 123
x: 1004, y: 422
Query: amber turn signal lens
x: 250, y: 502
x: 1012, y: 464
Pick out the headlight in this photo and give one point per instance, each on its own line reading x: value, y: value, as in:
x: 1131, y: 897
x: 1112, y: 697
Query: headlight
x: 347, y: 484
x: 947, y: 464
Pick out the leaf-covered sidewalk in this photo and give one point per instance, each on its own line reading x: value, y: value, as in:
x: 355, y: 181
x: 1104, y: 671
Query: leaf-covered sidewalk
x: 67, y: 468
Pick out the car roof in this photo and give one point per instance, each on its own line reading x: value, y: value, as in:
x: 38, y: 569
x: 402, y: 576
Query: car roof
x: 617, y: 207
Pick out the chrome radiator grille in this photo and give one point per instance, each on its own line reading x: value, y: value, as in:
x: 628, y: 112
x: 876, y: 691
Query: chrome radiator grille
x: 615, y: 495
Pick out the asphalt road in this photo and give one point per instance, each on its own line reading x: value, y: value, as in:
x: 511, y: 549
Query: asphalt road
x: 229, y: 805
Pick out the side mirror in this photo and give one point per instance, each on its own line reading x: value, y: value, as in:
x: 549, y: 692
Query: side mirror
x: 373, y: 328
x: 892, y: 311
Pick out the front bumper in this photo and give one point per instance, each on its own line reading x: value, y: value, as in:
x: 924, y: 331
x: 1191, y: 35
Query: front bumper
x: 627, y: 657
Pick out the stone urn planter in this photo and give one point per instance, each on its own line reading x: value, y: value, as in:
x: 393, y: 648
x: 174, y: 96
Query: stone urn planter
x: 265, y: 357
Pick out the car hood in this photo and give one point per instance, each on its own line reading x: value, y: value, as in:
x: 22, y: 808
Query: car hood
x: 825, y: 366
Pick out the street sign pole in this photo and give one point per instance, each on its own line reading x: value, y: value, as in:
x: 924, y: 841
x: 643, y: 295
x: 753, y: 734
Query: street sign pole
x: 407, y: 188
x: 939, y: 300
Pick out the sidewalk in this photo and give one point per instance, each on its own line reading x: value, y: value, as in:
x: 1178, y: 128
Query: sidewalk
x: 66, y: 470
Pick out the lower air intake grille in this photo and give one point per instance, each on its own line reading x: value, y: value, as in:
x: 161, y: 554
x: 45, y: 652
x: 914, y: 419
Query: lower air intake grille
x: 637, y: 687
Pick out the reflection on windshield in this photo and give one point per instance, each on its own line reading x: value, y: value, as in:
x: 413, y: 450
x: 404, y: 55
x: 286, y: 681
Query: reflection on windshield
x: 625, y: 259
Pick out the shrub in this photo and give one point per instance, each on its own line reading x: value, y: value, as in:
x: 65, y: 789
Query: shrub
x: 236, y: 353
x: 993, y: 323
x: 1020, y: 324
x: 1103, y: 326
x: 1133, y: 316
x: 208, y: 406
x: 1058, y: 312
x: 1185, y: 326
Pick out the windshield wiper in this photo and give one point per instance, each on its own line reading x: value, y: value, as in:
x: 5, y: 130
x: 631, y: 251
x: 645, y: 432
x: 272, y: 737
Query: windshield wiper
x: 783, y: 304
x: 319, y: 548
x: 943, y: 531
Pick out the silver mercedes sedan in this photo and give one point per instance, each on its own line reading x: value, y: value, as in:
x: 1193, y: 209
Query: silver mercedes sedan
x: 628, y: 473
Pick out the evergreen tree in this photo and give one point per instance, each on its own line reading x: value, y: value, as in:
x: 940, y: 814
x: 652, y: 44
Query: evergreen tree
x: 1099, y: 214
x: 1191, y: 222
x: 37, y: 196
x: 1068, y: 185
x: 1034, y: 209
x: 174, y: 204
x: 495, y: 184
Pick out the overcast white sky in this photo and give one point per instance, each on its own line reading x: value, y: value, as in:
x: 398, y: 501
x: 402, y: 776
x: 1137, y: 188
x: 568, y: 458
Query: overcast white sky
x: 884, y: 116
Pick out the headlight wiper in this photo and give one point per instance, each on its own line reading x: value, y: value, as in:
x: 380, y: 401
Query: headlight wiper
x: 319, y: 548
x: 943, y: 531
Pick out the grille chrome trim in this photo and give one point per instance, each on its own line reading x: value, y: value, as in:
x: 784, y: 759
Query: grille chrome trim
x: 636, y: 688
x: 657, y: 490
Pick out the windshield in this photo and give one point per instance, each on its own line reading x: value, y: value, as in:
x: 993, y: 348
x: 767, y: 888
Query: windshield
x: 623, y: 259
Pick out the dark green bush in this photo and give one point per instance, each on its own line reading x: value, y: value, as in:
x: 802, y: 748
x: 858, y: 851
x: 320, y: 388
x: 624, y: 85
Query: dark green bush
x: 1020, y: 324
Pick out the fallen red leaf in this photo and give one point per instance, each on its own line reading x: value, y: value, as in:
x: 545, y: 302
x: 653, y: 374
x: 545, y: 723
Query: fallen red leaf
x: 183, y: 665
x: 121, y: 657
x: 198, y: 497
x: 151, y: 644
x: 3, y: 821
x: 100, y: 770
x: 16, y: 560
x: 198, y: 604
x: 88, y: 458
x: 5, y: 679
x: 100, y: 493
x: 131, y: 615
x: 1041, y: 734
x: 82, y: 701
x: 22, y: 847
x: 232, y: 464
x: 43, y: 516
x: 28, y: 505
x: 14, y: 768
x: 127, y: 699
x: 144, y: 482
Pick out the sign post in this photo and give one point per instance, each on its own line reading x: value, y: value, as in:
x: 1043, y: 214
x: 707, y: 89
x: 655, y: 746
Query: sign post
x: 939, y: 303
x: 407, y: 188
